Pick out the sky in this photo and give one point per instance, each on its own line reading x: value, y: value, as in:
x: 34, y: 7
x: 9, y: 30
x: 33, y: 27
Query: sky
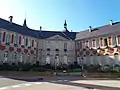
x: 51, y: 14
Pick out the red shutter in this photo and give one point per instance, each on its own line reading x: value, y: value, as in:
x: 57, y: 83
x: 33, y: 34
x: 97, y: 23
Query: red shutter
x: 101, y: 42
x: 87, y: 44
x: 94, y: 43
x: 4, y: 35
x: 12, y: 38
x: 19, y: 40
x: 110, y: 41
x: 80, y: 44
x: 119, y: 39
x: 32, y: 43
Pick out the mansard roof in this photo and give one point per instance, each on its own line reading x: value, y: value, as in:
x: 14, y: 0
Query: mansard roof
x: 34, y: 33
x: 99, y: 31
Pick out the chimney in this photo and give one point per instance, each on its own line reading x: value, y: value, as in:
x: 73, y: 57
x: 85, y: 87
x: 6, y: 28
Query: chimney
x: 111, y: 22
x: 90, y: 29
x: 40, y: 28
x: 71, y: 30
x: 10, y: 18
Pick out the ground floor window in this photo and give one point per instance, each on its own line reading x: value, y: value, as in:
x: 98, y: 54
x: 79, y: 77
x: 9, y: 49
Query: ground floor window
x: 21, y: 57
x: 47, y: 59
x: 6, y: 56
x: 15, y: 56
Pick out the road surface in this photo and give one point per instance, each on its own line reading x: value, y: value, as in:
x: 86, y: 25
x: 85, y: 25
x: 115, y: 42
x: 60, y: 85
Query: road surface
x: 59, y: 83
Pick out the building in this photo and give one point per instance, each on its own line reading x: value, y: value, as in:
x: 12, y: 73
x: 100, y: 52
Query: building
x: 19, y: 43
x: 22, y: 44
x: 99, y: 45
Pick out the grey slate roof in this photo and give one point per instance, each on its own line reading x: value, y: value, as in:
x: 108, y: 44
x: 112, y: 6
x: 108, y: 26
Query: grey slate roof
x: 99, y: 31
x: 34, y: 33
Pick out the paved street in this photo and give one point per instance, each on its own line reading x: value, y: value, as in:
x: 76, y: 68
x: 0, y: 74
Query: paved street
x: 59, y: 83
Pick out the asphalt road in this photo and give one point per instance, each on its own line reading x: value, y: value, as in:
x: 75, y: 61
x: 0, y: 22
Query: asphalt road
x: 59, y: 83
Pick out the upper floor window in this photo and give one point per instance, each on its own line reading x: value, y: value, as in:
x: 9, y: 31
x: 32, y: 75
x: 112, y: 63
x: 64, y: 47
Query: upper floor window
x: 29, y: 42
x: 16, y: 39
x: 110, y: 40
x: 26, y: 42
x: 93, y: 44
x: 80, y: 44
x: 101, y: 41
x: 4, y: 36
x: 87, y: 43
x: 77, y: 45
x: 0, y: 36
x: 119, y: 39
x: 65, y: 45
x: 32, y: 43
x: 114, y: 40
x: 23, y: 41
x: 105, y: 42
x: 97, y: 42
x: 19, y: 40
x: 8, y: 38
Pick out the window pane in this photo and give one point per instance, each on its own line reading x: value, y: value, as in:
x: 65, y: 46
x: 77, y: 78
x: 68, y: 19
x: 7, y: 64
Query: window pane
x: 114, y: 40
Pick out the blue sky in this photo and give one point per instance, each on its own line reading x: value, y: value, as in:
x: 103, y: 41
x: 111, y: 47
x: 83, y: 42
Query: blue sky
x: 50, y: 14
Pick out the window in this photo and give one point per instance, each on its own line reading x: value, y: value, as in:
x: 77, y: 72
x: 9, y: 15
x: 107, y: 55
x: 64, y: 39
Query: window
x: 32, y: 43
x: 65, y: 45
x: 12, y: 38
x: 4, y: 36
x: 110, y: 40
x: 15, y: 39
x: 7, y: 38
x: 29, y: 42
x: 15, y: 56
x: 87, y: 43
x: 114, y: 40
x: 105, y: 42
x: 101, y: 42
x: 5, y: 56
x: 90, y: 43
x: 84, y: 44
x: 97, y: 42
x: 36, y: 43
x: 23, y: 41
x: 26, y: 41
x: 21, y: 57
x: 80, y: 44
x: 0, y: 36
x: 93, y: 44
x: 119, y: 39
x: 19, y: 40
